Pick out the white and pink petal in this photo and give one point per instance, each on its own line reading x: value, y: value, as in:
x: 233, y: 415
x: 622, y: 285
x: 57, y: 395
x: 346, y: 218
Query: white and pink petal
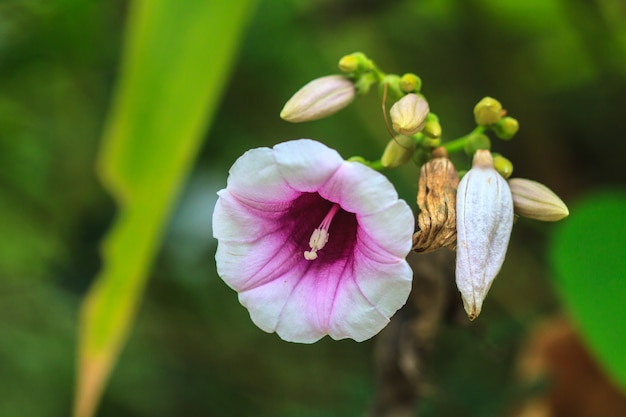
x: 255, y: 177
x: 389, y: 230
x: 306, y: 164
x: 234, y: 220
x: 245, y: 265
x: 359, y: 189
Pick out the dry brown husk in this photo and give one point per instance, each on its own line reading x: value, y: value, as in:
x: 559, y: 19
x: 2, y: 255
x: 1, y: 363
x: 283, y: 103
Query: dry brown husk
x: 436, y: 199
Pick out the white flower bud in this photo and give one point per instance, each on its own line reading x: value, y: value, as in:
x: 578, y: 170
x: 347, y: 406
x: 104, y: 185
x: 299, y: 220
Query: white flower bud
x: 408, y: 115
x: 484, y: 224
x: 536, y: 201
x: 318, y: 99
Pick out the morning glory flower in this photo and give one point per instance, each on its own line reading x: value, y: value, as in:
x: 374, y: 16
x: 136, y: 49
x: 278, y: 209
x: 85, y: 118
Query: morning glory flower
x: 313, y: 244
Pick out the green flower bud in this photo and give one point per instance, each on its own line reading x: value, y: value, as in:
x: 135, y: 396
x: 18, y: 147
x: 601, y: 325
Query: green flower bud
x: 488, y: 111
x: 398, y: 152
x: 349, y: 63
x: 408, y: 115
x: 536, y: 201
x: 506, y: 128
x: 432, y: 129
x: 431, y: 142
x: 475, y: 142
x: 410, y: 83
x: 502, y: 165
x: 356, y: 61
x: 318, y: 99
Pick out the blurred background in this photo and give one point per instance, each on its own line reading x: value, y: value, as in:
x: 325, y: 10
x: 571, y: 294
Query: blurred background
x: 557, y: 66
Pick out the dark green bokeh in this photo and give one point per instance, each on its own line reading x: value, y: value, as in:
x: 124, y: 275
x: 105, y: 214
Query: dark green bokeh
x: 588, y: 258
x: 557, y: 67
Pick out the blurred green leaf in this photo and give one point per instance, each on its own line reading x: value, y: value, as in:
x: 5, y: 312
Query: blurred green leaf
x: 588, y: 257
x: 176, y: 60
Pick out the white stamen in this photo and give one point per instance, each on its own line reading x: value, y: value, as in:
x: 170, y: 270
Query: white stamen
x: 320, y: 236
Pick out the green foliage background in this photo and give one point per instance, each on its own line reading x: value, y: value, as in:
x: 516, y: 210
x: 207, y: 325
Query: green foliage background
x: 558, y: 67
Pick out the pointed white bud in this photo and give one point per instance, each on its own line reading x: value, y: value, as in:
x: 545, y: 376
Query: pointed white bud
x: 484, y: 223
x: 318, y: 99
x: 536, y: 201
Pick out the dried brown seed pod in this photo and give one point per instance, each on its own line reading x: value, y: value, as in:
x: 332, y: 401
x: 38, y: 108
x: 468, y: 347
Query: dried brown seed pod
x: 436, y: 199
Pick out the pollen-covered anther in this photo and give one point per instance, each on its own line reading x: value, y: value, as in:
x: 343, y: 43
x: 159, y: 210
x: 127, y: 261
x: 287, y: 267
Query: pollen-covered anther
x: 320, y: 236
x: 318, y: 240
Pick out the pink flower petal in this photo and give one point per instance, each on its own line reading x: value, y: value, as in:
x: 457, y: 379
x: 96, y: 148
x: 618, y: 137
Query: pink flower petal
x: 306, y: 164
x: 244, y: 266
x: 359, y: 189
x: 266, y: 302
x: 385, y: 285
x: 255, y: 177
x: 234, y: 220
x: 397, y: 233
x: 306, y: 314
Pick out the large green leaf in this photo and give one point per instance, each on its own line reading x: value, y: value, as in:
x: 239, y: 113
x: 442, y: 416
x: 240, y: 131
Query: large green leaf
x: 588, y: 257
x: 176, y: 59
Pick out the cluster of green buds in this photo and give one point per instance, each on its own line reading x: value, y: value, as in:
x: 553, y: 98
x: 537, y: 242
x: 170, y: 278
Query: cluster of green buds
x: 473, y: 215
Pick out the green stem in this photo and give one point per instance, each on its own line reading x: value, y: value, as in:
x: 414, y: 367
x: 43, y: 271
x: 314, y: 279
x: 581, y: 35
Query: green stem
x: 458, y: 144
x: 375, y: 165
x: 380, y: 75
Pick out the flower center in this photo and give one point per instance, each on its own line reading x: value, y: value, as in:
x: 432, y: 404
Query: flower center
x: 320, y: 236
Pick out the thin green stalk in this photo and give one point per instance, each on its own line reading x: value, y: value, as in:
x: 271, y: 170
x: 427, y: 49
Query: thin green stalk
x: 458, y: 144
